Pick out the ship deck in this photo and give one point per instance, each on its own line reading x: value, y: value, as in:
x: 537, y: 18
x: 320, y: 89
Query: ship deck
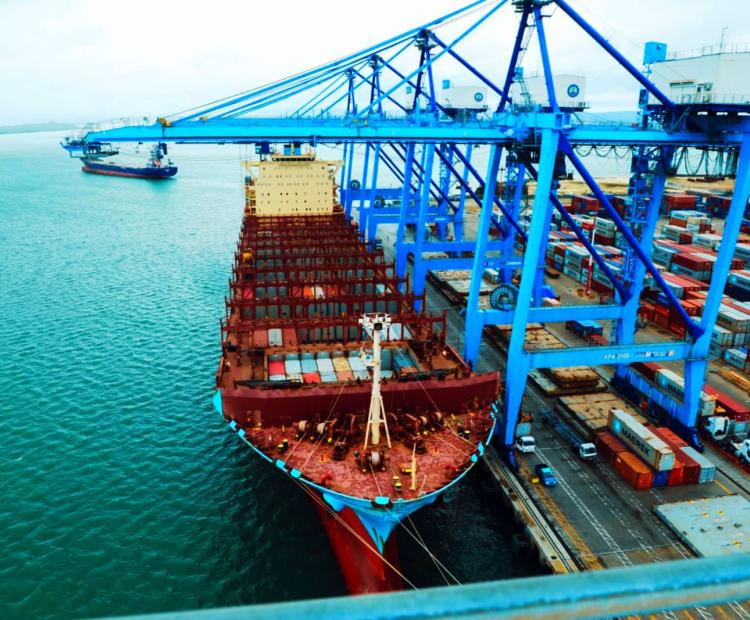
x: 446, y: 455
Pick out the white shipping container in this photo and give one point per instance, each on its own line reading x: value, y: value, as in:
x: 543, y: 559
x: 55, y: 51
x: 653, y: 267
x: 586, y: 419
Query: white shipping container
x: 274, y: 337
x: 742, y: 251
x: 733, y: 319
x: 707, y: 240
x: 737, y: 354
x: 492, y: 275
x: 708, y: 469
x: 715, y: 351
x: 708, y: 257
x: 647, y: 445
x: 674, y: 384
x: 740, y: 279
x: 672, y: 232
x: 576, y: 250
x: 722, y: 336
x: 684, y: 214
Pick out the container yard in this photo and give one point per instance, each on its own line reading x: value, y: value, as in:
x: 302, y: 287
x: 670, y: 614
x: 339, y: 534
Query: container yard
x: 457, y: 287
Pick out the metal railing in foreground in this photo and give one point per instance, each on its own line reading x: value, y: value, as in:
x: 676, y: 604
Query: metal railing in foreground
x: 608, y: 593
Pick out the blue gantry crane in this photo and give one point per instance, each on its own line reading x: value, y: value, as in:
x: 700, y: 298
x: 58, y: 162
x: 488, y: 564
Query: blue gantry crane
x: 382, y: 107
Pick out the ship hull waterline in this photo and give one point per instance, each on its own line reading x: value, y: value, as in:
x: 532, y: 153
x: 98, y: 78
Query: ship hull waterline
x: 130, y: 172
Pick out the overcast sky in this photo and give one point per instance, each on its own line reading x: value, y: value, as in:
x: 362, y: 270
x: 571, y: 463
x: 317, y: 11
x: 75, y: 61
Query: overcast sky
x: 84, y: 60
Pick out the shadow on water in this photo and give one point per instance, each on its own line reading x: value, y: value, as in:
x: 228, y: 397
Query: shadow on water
x: 470, y: 532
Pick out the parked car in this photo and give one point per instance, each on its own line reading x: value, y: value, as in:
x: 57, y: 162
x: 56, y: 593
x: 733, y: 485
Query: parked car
x: 526, y: 444
x: 546, y: 476
x: 587, y: 451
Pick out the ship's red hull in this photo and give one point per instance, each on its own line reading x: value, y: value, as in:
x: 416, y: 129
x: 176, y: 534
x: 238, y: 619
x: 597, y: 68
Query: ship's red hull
x: 365, y: 570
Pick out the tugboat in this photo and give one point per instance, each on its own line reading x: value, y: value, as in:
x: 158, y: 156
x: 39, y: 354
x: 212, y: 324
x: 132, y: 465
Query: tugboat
x: 156, y: 168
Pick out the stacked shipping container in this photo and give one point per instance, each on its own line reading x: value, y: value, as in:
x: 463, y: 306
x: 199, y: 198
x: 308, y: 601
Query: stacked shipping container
x: 646, y: 456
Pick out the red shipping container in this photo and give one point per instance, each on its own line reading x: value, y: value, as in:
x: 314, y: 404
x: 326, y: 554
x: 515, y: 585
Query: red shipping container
x: 732, y: 408
x: 675, y: 222
x: 676, y: 474
x: 686, y: 237
x: 698, y: 249
x: 661, y: 310
x: 674, y: 314
x: 646, y: 369
x: 692, y: 284
x: 276, y: 368
x: 260, y: 338
x: 679, y: 201
x: 661, y: 320
x: 646, y: 312
x: 634, y: 471
x: 691, y: 470
x: 692, y: 262
x: 677, y: 328
x: 666, y: 435
x: 692, y: 308
x: 608, y: 446
x: 597, y: 340
x: 289, y: 335
x: 311, y: 377
x: 618, y: 202
x: 602, y: 288
x: 585, y: 204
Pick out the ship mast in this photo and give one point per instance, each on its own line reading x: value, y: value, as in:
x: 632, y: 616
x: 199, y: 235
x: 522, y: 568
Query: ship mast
x: 374, y: 324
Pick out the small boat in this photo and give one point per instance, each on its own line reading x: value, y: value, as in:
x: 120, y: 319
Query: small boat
x: 156, y: 168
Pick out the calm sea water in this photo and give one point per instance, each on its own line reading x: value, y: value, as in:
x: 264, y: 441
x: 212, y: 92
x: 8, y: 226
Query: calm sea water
x: 121, y: 491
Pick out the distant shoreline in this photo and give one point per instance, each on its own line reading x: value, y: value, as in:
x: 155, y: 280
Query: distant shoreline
x: 37, y: 127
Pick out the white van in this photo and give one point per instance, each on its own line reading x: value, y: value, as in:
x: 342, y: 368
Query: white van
x: 525, y: 443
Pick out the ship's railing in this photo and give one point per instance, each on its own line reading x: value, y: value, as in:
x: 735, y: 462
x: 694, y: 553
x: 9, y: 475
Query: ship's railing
x: 618, y: 592
x: 117, y: 123
x: 269, y: 308
x: 709, y: 50
x: 711, y: 98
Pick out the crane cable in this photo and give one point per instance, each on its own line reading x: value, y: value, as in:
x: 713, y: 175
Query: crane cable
x: 442, y: 568
x: 354, y: 533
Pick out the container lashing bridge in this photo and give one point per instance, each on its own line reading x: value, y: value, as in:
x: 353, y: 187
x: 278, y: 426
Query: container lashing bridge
x: 381, y: 106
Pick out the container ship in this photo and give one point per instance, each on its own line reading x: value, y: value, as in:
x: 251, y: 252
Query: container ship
x: 333, y: 378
